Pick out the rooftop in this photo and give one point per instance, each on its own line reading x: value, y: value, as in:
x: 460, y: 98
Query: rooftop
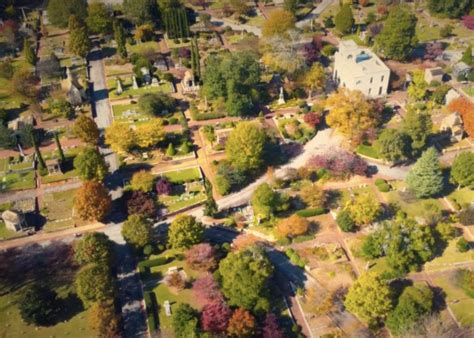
x: 361, y: 60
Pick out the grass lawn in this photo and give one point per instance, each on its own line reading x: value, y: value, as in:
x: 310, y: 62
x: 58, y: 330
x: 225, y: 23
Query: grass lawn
x: 346, y: 193
x: 457, y: 300
x: 136, y: 116
x: 144, y: 46
x: 450, y: 256
x: 461, y: 197
x: 127, y: 87
x: 4, y: 164
x: 58, y: 210
x: 177, y: 202
x: 171, y: 44
x: 469, y: 91
x: 28, y: 164
x: 163, y: 293
x: 367, y: 150
x: 18, y: 181
x: 417, y: 207
x: 185, y: 175
x: 68, y: 170
x: 355, y: 37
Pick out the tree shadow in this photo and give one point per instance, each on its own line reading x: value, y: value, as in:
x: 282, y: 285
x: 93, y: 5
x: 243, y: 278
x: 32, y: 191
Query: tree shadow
x: 68, y: 307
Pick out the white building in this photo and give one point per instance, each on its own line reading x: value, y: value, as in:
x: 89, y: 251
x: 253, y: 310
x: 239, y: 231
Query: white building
x: 360, y: 69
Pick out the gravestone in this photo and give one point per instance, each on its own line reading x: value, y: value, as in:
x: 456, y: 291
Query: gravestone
x: 134, y: 82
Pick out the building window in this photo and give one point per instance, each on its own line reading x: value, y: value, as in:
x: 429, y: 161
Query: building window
x: 380, y: 91
x: 371, y: 79
x: 370, y: 90
x: 381, y: 80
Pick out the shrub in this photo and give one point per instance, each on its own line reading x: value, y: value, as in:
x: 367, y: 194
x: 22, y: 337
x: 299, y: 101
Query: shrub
x: 311, y: 212
x: 344, y: 221
x: 462, y: 245
x: 465, y: 280
x: 144, y: 266
x: 151, y: 310
x: 175, y: 280
x: 382, y: 185
x: 466, y: 216
x: 148, y: 250
x: 295, y: 258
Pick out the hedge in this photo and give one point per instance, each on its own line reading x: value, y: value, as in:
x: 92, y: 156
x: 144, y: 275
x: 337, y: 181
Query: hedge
x: 144, y: 266
x: 311, y: 212
x: 196, y: 116
x: 151, y: 310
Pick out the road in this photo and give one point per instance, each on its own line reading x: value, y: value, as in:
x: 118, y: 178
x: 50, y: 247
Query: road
x: 315, y: 13
x: 130, y: 293
x: 101, y: 106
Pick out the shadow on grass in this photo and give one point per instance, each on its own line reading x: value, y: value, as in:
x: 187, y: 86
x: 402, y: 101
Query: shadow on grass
x: 68, y: 307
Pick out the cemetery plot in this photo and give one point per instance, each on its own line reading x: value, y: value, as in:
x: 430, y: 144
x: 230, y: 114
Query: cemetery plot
x: 129, y: 87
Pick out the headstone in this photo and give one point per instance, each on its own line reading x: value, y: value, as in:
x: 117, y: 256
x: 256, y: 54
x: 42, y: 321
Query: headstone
x: 167, y: 307
x: 119, y: 90
x: 281, y: 99
x: 154, y: 82
x: 134, y: 81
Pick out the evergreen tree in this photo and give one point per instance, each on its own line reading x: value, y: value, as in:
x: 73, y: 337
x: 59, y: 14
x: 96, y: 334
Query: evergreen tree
x: 467, y: 56
x: 120, y: 39
x: 34, y: 142
x: 398, y: 36
x: 426, y: 178
x: 344, y: 19
x: 79, y: 42
x: 462, y: 171
x: 62, y: 158
x: 29, y: 53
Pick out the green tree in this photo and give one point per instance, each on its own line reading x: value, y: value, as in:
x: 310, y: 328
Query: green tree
x: 120, y: 39
x: 462, y: 171
x: 28, y: 52
x: 245, y: 275
x: 426, y: 178
x: 185, y: 321
x: 38, y: 305
x: 418, y: 87
x: 94, y: 247
x: 155, y: 104
x: 94, y: 283
x: 142, y: 180
x: 291, y: 6
x: 141, y: 11
x: 467, y: 56
x: 62, y: 158
x: 265, y: 202
x: 344, y: 221
x: 344, y: 19
x: 90, y: 164
x: 59, y: 11
x: 315, y: 78
x: 98, y: 18
x: 398, y: 36
x: 7, y: 138
x: 418, y: 126
x: 394, y: 145
x: 34, y: 139
x: 369, y: 298
x: 364, y: 209
x: 170, y: 151
x: 137, y: 231
x: 245, y: 146
x: 85, y: 128
x: 184, y: 232
x: 79, y: 42
x: 414, y: 303
x: 450, y: 8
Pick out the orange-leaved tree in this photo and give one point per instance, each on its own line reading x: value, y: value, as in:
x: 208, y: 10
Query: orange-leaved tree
x: 292, y: 226
x: 466, y: 109
x: 241, y: 324
x: 92, y: 201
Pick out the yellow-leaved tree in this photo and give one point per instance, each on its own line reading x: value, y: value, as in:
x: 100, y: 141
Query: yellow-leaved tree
x: 120, y: 137
x: 149, y: 134
x: 350, y: 113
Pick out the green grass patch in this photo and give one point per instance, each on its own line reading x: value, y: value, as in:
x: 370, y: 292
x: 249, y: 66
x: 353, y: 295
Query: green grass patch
x: 58, y: 210
x: 172, y: 44
x: 174, y: 203
x: 461, y: 197
x: 469, y: 91
x: 129, y: 113
x: 369, y: 151
x: 457, y: 300
x: 185, y: 175
x: 127, y: 86
x: 4, y: 164
x: 450, y: 256
x: 143, y: 47
x: 18, y: 181
x: 415, y: 207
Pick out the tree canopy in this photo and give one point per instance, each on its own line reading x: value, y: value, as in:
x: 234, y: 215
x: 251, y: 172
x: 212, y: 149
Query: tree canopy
x: 417, y: 125
x: 426, y: 178
x: 90, y: 164
x: 245, y: 147
x: 137, y: 231
x: 398, y: 36
x: 450, y: 8
x: 85, y: 128
x: 278, y: 23
x: 79, y: 42
x: 92, y: 201
x: 344, y: 19
x: 38, y: 305
x: 59, y: 11
x: 462, y: 171
x: 98, y: 18
x: 369, y: 298
x: 185, y: 321
x: 394, y: 145
x: 184, y: 232
x: 94, y: 247
x: 156, y: 104
x: 94, y: 283
x: 245, y: 275
x: 265, y: 202
x: 141, y: 11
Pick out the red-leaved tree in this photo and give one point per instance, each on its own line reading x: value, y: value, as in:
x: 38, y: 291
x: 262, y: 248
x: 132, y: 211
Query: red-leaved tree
x: 468, y: 21
x: 140, y: 203
x: 339, y: 163
x: 207, y: 290
x: 271, y: 328
x: 215, y: 316
x: 201, y: 257
x: 163, y: 187
x: 312, y: 119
